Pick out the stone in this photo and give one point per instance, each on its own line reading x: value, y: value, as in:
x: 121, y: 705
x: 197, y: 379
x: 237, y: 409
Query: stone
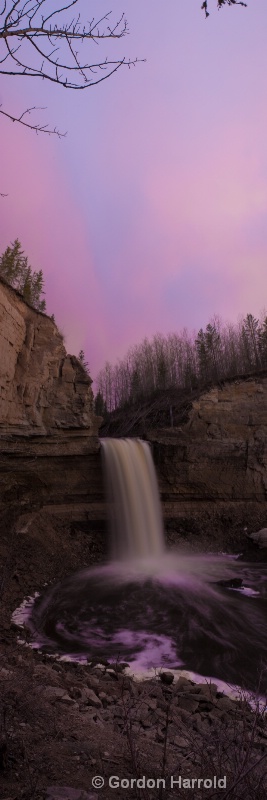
x: 188, y: 704
x: 112, y: 674
x: 68, y: 793
x: 91, y: 698
x: 207, y: 689
x: 180, y: 741
x: 226, y: 704
x: 54, y: 692
x: 69, y: 701
x: 93, y: 682
x: 166, y: 677
x: 184, y: 684
x: 260, y: 537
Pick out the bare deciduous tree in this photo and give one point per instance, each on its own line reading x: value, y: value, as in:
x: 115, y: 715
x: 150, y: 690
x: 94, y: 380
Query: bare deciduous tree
x: 36, y: 42
x: 185, y: 361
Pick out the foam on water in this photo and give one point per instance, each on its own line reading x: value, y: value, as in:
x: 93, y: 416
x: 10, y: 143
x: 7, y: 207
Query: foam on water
x: 154, y: 609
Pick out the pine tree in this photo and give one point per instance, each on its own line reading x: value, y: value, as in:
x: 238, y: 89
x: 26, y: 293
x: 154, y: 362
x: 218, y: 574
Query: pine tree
x: 212, y: 338
x: 83, y: 361
x: 14, y: 268
x: 202, y: 355
x: 100, y: 405
x: 251, y: 341
x: 12, y: 263
x: 263, y: 343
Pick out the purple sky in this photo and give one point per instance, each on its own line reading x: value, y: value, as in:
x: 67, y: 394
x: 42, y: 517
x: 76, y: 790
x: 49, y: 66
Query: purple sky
x: 151, y: 214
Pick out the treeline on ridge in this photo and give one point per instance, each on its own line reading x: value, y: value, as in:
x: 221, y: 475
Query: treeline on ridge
x: 183, y: 360
x: 17, y: 272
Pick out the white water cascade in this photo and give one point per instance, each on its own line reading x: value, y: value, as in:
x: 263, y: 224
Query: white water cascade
x: 133, y: 497
x: 152, y: 606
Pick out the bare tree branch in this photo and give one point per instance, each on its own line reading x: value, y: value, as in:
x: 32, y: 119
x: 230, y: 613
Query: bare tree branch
x: 221, y: 3
x: 34, y: 44
x: 39, y: 41
x: 36, y: 128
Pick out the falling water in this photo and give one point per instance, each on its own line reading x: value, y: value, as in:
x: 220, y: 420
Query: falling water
x: 149, y: 606
x: 133, y: 496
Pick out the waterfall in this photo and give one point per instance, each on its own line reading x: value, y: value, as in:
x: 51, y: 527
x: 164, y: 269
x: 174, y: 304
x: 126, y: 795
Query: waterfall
x: 151, y: 607
x: 132, y: 492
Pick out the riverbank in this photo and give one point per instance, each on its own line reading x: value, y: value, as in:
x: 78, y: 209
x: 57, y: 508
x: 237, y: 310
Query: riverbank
x: 62, y: 724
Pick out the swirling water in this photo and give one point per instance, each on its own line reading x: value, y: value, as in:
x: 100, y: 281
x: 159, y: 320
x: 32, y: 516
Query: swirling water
x: 154, y: 608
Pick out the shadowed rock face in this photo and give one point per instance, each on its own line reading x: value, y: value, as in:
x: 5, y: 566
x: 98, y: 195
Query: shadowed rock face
x: 215, y: 465
x: 48, y: 429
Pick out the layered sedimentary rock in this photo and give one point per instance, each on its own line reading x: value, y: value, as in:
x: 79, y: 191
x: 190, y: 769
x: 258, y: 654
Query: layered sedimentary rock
x: 42, y: 389
x: 213, y: 469
x: 48, y: 429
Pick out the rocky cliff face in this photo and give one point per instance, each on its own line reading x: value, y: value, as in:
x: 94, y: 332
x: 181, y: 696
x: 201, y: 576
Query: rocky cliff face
x: 42, y: 389
x: 213, y: 469
x: 48, y: 429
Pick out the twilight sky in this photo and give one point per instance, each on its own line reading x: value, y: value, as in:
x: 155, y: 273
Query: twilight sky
x: 151, y: 214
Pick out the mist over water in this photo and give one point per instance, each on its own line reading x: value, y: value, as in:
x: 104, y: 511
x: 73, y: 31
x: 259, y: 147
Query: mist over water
x: 151, y: 607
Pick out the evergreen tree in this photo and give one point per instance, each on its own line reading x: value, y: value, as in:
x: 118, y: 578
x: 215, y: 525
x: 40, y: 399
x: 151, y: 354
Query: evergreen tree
x: 12, y: 263
x: 83, y: 361
x: 135, y: 386
x: 212, y: 338
x: 263, y: 343
x: 251, y: 341
x: 202, y: 355
x: 14, y: 268
x: 100, y: 405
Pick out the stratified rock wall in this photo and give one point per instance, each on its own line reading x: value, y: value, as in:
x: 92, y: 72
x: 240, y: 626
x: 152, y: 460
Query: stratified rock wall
x: 42, y: 389
x: 214, y: 467
x: 49, y: 445
x: 221, y: 451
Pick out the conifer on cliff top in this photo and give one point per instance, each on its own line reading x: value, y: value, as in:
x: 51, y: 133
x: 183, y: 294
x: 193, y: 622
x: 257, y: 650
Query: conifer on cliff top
x: 14, y: 268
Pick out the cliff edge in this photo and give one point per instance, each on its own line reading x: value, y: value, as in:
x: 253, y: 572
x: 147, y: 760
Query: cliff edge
x: 48, y: 429
x: 42, y: 389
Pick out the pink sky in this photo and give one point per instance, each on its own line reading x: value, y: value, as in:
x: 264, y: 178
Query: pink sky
x: 151, y: 214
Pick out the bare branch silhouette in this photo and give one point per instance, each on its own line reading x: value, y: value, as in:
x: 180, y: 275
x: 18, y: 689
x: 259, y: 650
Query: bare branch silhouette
x: 221, y: 3
x: 34, y: 127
